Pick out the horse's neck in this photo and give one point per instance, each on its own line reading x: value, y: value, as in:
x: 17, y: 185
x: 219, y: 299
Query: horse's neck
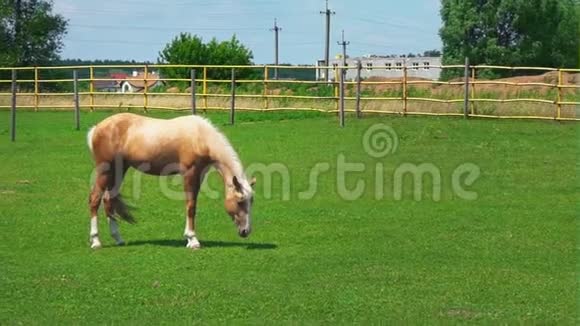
x: 227, y: 162
x: 228, y: 171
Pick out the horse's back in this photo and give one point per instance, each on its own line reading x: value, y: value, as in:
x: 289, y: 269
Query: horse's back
x: 106, y: 136
x: 122, y: 119
x: 144, y: 139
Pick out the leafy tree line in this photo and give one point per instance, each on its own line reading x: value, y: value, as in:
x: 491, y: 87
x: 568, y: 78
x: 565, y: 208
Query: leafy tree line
x: 535, y: 33
x: 191, y: 49
x: 101, y: 72
x: 499, y: 32
x: 429, y: 53
x: 97, y: 62
x: 30, y: 33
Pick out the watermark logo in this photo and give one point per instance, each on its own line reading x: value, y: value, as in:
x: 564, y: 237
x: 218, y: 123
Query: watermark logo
x: 380, y: 140
x: 378, y: 176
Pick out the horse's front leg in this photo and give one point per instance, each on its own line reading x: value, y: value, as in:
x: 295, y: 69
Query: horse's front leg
x: 191, y: 183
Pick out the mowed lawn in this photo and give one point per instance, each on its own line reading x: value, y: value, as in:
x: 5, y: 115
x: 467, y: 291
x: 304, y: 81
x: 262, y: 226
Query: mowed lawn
x: 508, y: 256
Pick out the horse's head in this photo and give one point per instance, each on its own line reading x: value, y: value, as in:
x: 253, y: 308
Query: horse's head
x: 238, y: 202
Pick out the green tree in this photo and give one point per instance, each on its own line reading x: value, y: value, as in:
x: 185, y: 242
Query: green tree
x: 31, y: 34
x: 230, y: 52
x: 510, y: 32
x: 191, y: 50
x: 183, y: 49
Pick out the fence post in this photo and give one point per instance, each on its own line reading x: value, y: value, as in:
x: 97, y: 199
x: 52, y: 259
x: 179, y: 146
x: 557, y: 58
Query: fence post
x: 146, y: 88
x: 13, y: 108
x: 336, y: 90
x: 341, y: 96
x: 193, y: 104
x: 205, y: 87
x: 36, y: 88
x: 233, y: 101
x: 265, y: 86
x: 405, y: 89
x: 358, y: 88
x: 560, y: 98
x: 92, y: 87
x: 473, y: 108
x: 466, y: 99
x: 76, y: 98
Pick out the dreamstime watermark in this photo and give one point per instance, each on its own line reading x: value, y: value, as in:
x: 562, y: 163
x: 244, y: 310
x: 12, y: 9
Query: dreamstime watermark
x: 349, y: 180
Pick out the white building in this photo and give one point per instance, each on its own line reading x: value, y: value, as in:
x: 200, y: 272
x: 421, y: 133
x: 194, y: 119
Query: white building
x: 387, y: 67
x: 136, y: 82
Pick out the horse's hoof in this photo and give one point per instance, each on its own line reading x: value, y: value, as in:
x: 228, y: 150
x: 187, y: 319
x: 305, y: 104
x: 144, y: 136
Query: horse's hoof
x: 193, y: 243
x: 96, y: 246
x: 121, y: 243
x: 193, y: 246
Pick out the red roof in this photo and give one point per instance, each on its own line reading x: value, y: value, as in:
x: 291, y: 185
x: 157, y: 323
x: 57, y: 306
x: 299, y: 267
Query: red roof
x: 119, y: 75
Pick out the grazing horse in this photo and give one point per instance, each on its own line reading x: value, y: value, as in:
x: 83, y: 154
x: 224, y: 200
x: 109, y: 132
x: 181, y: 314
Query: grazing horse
x: 187, y: 145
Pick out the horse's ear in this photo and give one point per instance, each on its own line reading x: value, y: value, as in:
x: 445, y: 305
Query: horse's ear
x: 237, y: 184
x: 253, y: 181
x: 238, y: 190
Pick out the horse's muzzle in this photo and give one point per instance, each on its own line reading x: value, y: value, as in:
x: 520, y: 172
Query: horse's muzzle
x: 244, y: 233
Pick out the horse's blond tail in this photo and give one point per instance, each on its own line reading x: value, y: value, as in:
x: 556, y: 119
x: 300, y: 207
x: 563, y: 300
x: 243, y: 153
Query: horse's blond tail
x: 122, y: 210
x: 90, y: 138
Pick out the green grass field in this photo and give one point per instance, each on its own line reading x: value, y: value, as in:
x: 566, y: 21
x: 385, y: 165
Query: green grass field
x: 509, y: 256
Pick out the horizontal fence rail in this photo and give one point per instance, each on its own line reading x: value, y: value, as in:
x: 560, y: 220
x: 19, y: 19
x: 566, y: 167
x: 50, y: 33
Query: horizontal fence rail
x: 255, y: 88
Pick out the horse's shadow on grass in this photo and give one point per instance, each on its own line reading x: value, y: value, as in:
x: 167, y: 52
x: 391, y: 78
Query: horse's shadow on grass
x: 204, y: 244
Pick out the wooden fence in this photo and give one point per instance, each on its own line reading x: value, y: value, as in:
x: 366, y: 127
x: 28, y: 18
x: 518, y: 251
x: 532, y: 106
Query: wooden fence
x: 469, y: 95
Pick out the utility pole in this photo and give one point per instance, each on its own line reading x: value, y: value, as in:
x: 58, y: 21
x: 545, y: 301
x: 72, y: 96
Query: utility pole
x: 276, y: 30
x: 343, y: 44
x: 328, y: 13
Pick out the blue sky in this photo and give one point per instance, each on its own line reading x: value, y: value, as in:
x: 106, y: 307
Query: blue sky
x: 138, y: 29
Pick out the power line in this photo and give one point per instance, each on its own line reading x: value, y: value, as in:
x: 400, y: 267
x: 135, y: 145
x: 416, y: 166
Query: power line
x: 126, y: 27
x: 276, y: 30
x: 144, y: 12
x: 328, y: 13
x: 124, y: 42
x: 390, y: 24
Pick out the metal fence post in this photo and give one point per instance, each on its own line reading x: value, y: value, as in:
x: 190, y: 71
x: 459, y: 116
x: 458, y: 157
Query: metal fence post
x: 405, y: 89
x: 473, y: 76
x: 13, y: 108
x: 76, y: 99
x: 36, y: 88
x: 560, y: 97
x: 145, y: 88
x: 92, y: 87
x: 341, y: 96
x: 336, y: 90
x: 265, y: 86
x: 205, y: 87
x: 233, y: 101
x: 358, y: 88
x: 466, y: 99
x: 193, y: 104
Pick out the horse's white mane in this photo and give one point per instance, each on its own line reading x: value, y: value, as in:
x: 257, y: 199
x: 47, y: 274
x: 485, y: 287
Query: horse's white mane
x: 224, y: 149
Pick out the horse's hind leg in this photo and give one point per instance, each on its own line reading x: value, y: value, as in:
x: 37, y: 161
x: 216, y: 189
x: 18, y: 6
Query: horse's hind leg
x: 113, y: 188
x: 94, y: 203
x: 113, y: 225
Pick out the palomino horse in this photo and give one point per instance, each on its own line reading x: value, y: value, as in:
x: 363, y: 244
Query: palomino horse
x: 186, y: 145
